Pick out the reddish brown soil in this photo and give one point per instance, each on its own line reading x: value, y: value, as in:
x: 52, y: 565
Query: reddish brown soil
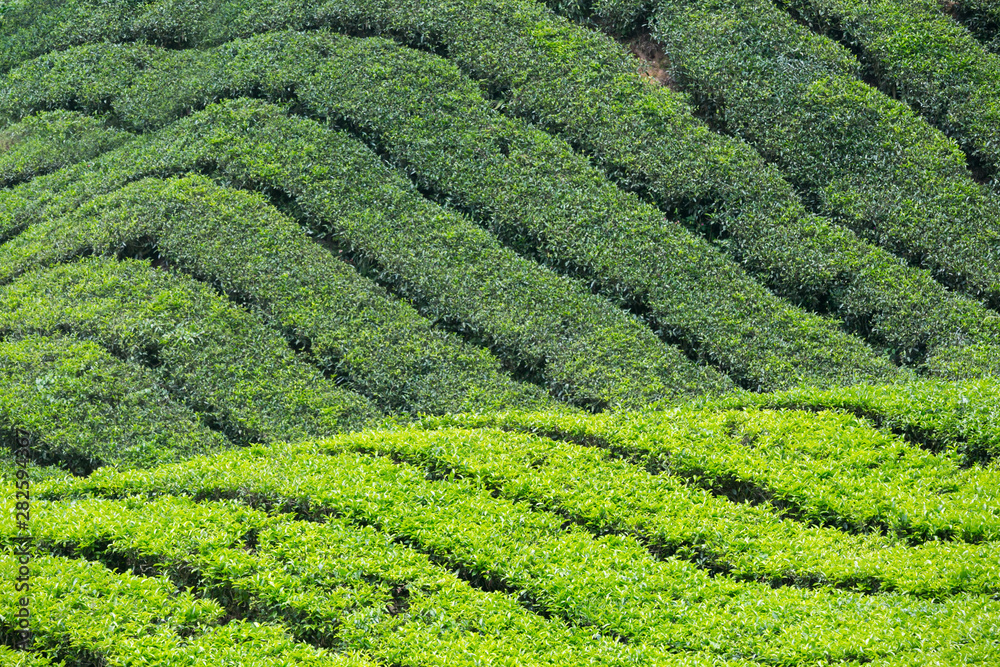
x: 653, y: 63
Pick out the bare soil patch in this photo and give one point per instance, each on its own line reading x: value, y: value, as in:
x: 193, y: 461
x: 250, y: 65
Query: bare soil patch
x: 653, y: 62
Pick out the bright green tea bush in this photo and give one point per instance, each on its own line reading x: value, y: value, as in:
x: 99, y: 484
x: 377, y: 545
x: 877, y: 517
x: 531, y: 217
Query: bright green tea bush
x: 940, y: 415
x: 610, y: 583
x: 965, y: 362
x: 827, y: 469
x: 594, y: 488
x: 83, y: 612
x: 334, y: 585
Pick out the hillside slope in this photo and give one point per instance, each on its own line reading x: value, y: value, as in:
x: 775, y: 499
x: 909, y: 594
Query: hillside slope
x: 439, y: 332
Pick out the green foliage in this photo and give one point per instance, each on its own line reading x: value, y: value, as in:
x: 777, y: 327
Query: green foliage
x: 940, y: 415
x: 826, y: 469
x: 31, y: 28
x: 436, y: 125
x: 981, y: 17
x: 342, y: 587
x: 965, y: 362
x: 583, y: 347
x: 83, y: 408
x: 214, y: 357
x: 12, y: 658
x: 923, y: 58
x: 64, y: 587
x: 610, y: 584
x: 863, y: 159
x: 597, y: 490
x: 48, y: 141
x: 581, y: 86
x: 528, y: 186
x: 352, y: 328
x: 452, y: 206
x: 85, y: 613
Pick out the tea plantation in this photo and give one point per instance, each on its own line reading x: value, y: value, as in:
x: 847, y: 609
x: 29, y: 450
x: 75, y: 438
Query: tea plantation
x: 413, y: 333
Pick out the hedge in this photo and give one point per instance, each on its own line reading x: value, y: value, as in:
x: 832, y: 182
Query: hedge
x: 965, y: 362
x: 353, y: 330
x: 9, y: 656
x: 604, y: 494
x: 334, y: 585
x: 582, y: 86
x: 582, y: 347
x: 84, y: 612
x: 212, y: 356
x: 49, y: 141
x: 518, y: 179
x: 940, y: 415
x: 610, y: 584
x: 515, y: 178
x: 586, y: 350
x: 925, y: 59
x: 37, y: 472
x: 35, y: 27
x: 83, y: 408
x: 824, y: 469
x: 860, y: 158
x: 981, y: 17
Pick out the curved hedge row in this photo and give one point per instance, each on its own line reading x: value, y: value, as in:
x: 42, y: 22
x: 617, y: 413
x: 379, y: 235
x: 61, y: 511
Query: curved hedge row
x: 940, y: 415
x: 673, y: 519
x: 435, y: 124
x: 965, y: 362
x: 580, y: 345
x: 827, y: 469
x: 212, y: 356
x: 83, y: 408
x: 918, y: 55
x: 37, y: 26
x: 350, y: 588
x: 51, y: 140
x: 86, y: 613
x: 610, y: 584
x: 863, y: 159
x: 350, y: 326
x: 582, y: 86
